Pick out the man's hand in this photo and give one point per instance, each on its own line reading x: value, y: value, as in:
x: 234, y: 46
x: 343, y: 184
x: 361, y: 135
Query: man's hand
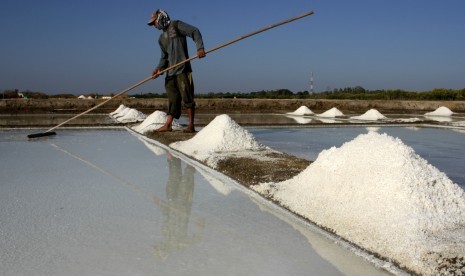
x: 156, y: 73
x: 201, y: 53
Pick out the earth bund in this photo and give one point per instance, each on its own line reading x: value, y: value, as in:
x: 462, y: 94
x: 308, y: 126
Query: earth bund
x: 231, y: 106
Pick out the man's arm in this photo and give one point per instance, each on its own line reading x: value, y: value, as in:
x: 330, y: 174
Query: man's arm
x: 194, y: 33
x: 163, y: 63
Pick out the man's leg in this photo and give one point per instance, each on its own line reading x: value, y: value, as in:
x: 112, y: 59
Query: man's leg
x: 174, y: 104
x: 191, y: 115
x: 186, y: 87
x: 168, y: 126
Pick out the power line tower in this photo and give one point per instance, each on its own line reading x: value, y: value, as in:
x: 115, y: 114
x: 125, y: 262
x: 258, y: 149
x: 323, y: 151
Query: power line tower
x: 311, y: 83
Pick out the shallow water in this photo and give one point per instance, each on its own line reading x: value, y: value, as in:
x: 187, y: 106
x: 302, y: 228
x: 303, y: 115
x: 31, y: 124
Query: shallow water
x: 202, y: 119
x: 104, y: 202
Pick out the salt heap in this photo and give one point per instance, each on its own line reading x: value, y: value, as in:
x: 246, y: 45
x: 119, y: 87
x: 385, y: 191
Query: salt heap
x: 441, y: 111
x: 370, y: 115
x: 131, y: 115
x: 154, y: 121
x: 118, y: 110
x: 222, y: 135
x: 378, y: 193
x: 331, y: 113
x: 125, y: 114
x: 303, y: 110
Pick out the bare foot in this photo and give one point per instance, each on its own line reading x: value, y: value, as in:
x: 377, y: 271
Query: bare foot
x: 189, y: 129
x: 164, y: 129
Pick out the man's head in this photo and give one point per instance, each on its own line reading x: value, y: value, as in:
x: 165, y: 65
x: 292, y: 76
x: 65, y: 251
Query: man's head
x: 160, y: 19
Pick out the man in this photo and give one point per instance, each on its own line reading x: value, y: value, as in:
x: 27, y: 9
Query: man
x: 179, y: 84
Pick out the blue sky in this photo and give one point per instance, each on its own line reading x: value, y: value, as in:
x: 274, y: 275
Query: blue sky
x: 102, y: 46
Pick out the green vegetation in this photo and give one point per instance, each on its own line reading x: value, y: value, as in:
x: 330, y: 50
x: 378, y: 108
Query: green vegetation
x: 349, y: 93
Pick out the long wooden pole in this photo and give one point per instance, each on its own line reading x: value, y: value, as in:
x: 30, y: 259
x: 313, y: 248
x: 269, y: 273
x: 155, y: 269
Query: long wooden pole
x: 182, y: 62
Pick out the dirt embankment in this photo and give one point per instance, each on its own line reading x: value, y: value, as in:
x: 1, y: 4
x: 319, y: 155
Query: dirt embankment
x: 17, y: 106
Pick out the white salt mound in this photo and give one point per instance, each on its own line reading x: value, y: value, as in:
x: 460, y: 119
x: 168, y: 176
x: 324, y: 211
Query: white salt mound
x: 118, y: 110
x: 370, y: 115
x: 221, y: 135
x: 131, y: 115
x: 125, y: 114
x: 441, y: 111
x: 154, y: 121
x: 378, y: 193
x: 122, y: 113
x: 303, y: 110
x: 331, y: 113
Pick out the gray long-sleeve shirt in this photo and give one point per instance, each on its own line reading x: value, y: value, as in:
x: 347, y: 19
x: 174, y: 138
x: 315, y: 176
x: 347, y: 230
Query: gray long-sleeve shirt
x: 173, y: 45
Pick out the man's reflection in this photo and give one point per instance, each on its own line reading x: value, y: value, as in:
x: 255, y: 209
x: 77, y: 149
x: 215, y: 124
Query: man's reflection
x: 177, y: 210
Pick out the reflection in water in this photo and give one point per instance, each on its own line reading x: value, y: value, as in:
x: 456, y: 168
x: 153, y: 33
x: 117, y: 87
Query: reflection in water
x: 177, y: 210
x: 439, y: 118
x: 300, y: 119
x: 327, y: 121
x: 348, y: 261
x: 25, y: 120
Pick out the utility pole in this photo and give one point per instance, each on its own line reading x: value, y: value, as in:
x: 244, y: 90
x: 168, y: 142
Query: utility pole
x: 311, y: 84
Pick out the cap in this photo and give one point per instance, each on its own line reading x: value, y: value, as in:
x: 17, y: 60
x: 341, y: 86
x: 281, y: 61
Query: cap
x: 152, y: 20
x: 160, y: 19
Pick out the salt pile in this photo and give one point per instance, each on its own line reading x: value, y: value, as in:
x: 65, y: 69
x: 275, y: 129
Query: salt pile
x: 441, y: 111
x: 331, y: 113
x: 118, y: 110
x: 125, y: 114
x: 131, y: 116
x: 121, y: 113
x: 379, y: 194
x: 154, y: 121
x: 370, y: 115
x: 303, y: 110
x: 221, y: 135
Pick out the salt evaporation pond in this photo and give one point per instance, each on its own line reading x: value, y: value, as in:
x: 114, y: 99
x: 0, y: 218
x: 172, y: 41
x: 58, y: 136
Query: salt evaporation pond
x: 420, y: 221
x: 420, y: 225
x: 90, y: 202
x: 208, y: 133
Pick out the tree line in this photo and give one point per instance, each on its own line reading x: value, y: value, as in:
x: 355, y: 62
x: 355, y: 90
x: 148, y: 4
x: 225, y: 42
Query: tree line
x: 348, y: 93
